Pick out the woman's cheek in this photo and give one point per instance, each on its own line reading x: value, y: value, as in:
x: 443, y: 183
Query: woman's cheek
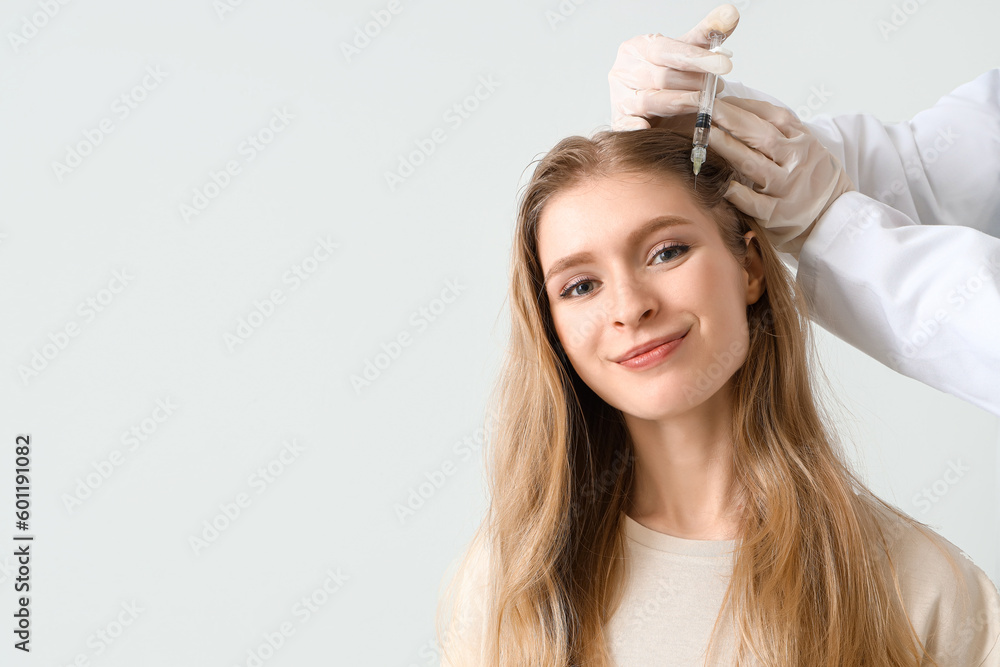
x: 573, y: 332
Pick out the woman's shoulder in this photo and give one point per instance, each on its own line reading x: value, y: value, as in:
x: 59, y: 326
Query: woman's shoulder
x: 464, y: 605
x: 953, y: 604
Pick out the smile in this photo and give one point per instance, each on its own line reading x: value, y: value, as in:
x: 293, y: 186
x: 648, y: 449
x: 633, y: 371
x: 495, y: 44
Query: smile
x: 652, y: 357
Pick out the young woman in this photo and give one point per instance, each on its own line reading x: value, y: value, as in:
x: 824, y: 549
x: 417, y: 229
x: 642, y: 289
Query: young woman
x: 664, y: 487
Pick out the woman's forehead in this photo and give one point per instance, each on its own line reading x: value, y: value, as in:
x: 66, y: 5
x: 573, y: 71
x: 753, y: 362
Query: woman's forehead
x: 605, y: 203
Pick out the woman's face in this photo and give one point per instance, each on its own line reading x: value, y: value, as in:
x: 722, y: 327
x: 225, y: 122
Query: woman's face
x: 641, y: 279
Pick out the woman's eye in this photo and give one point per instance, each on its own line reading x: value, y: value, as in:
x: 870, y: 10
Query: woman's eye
x: 567, y: 293
x: 670, y: 253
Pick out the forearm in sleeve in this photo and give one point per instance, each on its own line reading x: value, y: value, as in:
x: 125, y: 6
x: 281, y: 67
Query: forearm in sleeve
x: 923, y: 300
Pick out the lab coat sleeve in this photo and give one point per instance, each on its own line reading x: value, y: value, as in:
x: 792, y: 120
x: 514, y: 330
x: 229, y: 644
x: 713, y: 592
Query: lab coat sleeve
x: 906, y: 269
x: 922, y: 299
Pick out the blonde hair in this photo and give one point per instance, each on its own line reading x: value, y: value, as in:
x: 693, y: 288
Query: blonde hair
x: 809, y: 582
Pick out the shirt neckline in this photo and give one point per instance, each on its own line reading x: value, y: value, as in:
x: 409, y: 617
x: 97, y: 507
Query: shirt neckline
x: 676, y: 545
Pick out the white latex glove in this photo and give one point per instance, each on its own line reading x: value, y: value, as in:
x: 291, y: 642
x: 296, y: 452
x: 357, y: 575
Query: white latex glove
x: 655, y: 77
x: 656, y: 82
x: 795, y: 177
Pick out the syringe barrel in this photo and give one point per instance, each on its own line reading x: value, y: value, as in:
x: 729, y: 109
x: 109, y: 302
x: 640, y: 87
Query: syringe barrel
x: 702, y: 124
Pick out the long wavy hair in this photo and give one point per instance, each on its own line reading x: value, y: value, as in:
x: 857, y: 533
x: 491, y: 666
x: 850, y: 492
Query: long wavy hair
x: 813, y: 580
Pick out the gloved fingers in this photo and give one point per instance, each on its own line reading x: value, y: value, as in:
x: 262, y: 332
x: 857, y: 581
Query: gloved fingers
x: 754, y: 204
x: 652, y: 72
x: 783, y: 235
x: 651, y: 103
x: 666, y: 52
x: 723, y: 18
x: 751, y: 129
x: 641, y: 88
x: 780, y: 117
x: 751, y: 163
x: 641, y: 74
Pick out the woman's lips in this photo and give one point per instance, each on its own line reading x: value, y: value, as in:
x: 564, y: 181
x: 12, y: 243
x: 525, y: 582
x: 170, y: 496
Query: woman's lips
x: 652, y: 357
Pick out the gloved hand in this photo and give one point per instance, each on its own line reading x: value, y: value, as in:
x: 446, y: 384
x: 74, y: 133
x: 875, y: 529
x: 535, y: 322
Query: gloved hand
x: 655, y: 77
x: 656, y: 82
x: 795, y: 177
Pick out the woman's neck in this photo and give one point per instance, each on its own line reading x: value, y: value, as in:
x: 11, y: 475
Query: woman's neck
x: 683, y: 483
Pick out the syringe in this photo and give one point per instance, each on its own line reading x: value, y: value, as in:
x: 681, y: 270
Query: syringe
x: 704, y: 121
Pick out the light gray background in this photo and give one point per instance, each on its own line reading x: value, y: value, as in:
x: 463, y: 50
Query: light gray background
x: 334, y: 506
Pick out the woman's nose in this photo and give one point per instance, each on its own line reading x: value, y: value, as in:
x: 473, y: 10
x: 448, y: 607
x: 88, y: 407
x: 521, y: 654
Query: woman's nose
x: 633, y: 302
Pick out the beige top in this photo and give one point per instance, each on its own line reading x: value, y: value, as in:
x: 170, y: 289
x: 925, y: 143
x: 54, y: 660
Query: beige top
x: 672, y: 596
x: 675, y: 588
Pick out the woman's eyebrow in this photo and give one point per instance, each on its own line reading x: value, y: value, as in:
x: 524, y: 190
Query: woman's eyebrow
x: 653, y: 225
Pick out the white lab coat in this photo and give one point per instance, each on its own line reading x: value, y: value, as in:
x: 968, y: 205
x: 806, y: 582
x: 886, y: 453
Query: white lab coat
x: 907, y: 269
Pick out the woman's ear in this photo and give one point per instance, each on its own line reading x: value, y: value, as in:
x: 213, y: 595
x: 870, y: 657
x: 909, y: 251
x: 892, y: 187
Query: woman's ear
x: 754, y: 268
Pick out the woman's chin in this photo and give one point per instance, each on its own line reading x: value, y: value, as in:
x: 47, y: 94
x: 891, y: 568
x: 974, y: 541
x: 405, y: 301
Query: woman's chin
x: 654, y: 402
